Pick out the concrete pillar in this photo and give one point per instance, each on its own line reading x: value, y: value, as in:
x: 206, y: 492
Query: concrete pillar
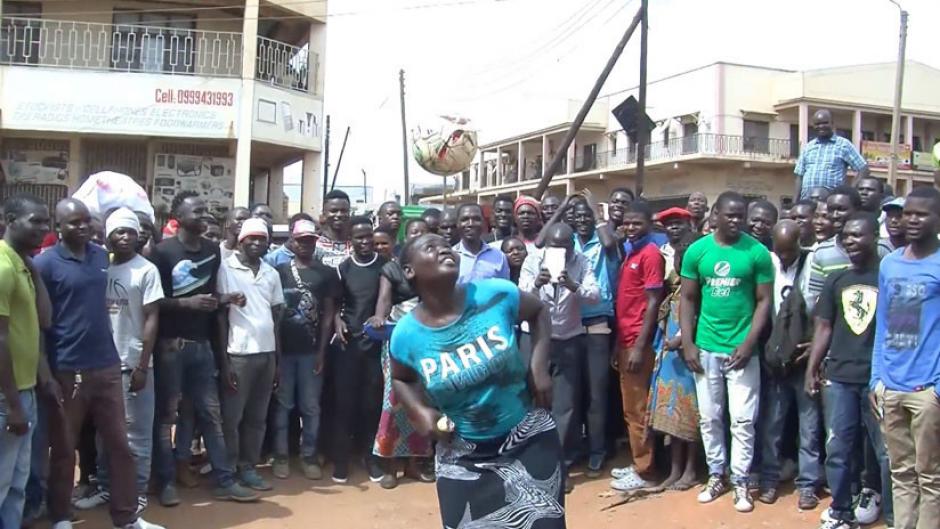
x: 520, y: 163
x: 76, y: 164
x: 311, y: 197
x: 499, y: 166
x: 259, y: 193
x: 571, y: 157
x: 545, y: 154
x: 803, y: 122
x: 857, y: 129
x: 909, y: 130
x: 246, y: 103
x: 151, y: 157
x: 481, y: 172
x: 317, y: 59
x: 276, y: 194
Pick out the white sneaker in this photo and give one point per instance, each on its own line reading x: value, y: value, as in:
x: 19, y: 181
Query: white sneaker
x: 868, y: 508
x: 64, y: 524
x: 714, y: 488
x: 622, y: 472
x: 837, y: 524
x: 743, y: 502
x: 141, y: 524
x: 630, y: 482
x: 90, y: 502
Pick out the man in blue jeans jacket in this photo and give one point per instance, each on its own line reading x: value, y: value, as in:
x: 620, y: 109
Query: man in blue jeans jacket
x: 905, y: 369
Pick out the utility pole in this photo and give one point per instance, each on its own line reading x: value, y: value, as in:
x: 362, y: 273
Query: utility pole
x: 561, y: 153
x: 642, y: 135
x: 340, y: 161
x: 365, y: 192
x: 404, y: 134
x: 326, y: 157
x: 896, y: 113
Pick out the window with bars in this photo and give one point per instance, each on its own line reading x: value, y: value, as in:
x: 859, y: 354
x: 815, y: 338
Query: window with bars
x: 153, y: 42
x: 19, y: 38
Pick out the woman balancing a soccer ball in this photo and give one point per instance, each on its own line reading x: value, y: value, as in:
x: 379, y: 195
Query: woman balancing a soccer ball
x: 457, y: 370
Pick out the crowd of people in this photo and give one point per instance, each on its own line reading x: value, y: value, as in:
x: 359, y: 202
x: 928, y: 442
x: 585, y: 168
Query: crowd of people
x: 515, y: 345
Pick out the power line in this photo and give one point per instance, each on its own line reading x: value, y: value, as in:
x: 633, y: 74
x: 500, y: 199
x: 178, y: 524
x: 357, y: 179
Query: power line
x: 522, y: 76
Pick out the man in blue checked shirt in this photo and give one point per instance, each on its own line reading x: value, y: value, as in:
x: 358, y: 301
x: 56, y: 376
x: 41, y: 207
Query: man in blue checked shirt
x: 824, y: 160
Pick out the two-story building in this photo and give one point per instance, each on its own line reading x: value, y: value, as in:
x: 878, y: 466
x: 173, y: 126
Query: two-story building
x: 212, y: 96
x: 719, y: 127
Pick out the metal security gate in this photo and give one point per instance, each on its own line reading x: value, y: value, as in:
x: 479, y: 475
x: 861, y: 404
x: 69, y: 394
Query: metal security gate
x: 123, y: 156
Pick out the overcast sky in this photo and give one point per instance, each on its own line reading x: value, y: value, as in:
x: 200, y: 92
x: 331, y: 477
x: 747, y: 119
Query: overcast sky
x: 498, y: 61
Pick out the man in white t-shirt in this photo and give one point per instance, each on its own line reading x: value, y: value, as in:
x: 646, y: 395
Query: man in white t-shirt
x: 133, y: 296
x: 248, y: 330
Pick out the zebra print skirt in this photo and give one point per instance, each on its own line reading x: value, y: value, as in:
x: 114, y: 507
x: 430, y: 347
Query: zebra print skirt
x: 515, y: 482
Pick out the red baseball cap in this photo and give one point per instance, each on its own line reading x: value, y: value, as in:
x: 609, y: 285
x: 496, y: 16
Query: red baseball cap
x: 667, y: 214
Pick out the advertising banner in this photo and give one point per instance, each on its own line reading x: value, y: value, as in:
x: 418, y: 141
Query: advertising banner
x: 213, y: 178
x: 287, y: 117
x: 878, y: 154
x: 119, y: 103
x: 34, y: 167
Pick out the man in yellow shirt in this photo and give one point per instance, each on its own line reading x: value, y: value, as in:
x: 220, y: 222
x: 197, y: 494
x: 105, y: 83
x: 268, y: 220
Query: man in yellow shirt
x: 23, y: 305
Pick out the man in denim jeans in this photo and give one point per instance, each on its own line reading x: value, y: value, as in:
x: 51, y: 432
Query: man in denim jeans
x: 184, y: 361
x: 309, y: 291
x: 844, y: 335
x: 134, y: 292
x: 727, y: 280
x: 784, y: 388
x: 21, y: 291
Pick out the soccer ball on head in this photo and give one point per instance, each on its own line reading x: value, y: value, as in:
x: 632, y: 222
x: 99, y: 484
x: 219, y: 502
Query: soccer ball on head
x: 446, y: 147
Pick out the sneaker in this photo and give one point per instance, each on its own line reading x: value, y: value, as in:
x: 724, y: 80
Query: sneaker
x: 595, y: 465
x: 90, y: 502
x: 868, y: 508
x: 236, y: 493
x: 742, y: 499
x: 251, y: 479
x: 83, y: 490
x: 767, y: 495
x: 808, y: 500
x: 141, y: 524
x: 389, y: 481
x: 64, y: 524
x: 340, y: 474
x: 631, y: 482
x: 311, y: 469
x: 169, y: 496
x: 713, y: 489
x: 281, y: 468
x: 185, y: 475
x: 142, y: 503
x: 622, y: 472
x: 832, y: 523
x: 374, y: 470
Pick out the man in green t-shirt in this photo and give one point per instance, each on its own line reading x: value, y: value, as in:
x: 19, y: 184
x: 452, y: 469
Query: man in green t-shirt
x: 21, y: 364
x: 727, y: 280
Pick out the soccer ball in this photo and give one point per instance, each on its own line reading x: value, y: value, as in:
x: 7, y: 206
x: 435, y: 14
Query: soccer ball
x: 448, y: 147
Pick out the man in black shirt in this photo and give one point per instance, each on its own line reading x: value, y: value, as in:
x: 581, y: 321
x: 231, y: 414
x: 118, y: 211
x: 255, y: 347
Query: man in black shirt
x: 184, y: 361
x: 358, y: 367
x: 448, y: 226
x: 502, y: 221
x: 309, y: 291
x: 845, y: 329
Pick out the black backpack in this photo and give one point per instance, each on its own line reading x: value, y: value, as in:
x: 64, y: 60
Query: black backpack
x: 790, y: 327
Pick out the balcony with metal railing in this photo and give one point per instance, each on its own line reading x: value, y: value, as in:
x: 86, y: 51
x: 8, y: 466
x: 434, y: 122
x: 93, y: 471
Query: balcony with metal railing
x: 79, y: 45
x: 701, y: 144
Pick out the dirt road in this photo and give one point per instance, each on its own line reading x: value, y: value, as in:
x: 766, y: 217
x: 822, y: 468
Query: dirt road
x: 300, y: 504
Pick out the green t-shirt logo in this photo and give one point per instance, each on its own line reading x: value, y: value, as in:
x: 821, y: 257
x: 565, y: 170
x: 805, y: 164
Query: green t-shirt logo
x: 722, y: 268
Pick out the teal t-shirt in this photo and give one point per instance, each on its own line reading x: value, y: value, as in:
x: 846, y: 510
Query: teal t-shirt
x: 471, y: 368
x: 728, y: 277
